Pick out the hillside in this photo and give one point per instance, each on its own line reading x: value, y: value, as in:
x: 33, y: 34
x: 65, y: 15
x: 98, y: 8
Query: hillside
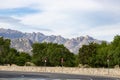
x: 23, y: 41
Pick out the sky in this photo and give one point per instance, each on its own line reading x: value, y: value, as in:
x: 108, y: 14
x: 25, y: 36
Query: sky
x: 68, y: 18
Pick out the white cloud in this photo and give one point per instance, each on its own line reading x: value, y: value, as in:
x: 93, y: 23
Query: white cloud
x: 5, y: 25
x: 45, y: 18
x: 52, y: 5
x: 63, y: 5
x: 9, y: 19
x: 106, y: 32
x: 8, y: 4
x: 62, y: 17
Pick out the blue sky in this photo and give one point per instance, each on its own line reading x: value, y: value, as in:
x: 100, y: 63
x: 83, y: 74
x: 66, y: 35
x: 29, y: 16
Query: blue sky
x: 68, y: 18
x: 17, y: 11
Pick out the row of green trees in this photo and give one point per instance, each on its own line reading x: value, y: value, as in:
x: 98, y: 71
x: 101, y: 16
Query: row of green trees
x: 48, y: 54
x: 101, y: 55
x: 10, y: 55
x: 52, y: 54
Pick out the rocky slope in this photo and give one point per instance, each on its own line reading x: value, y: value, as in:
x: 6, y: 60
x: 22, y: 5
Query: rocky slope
x: 23, y: 41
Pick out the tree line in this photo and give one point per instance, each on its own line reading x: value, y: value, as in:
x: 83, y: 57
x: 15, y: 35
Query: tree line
x: 101, y: 55
x: 10, y: 55
x: 51, y: 54
x: 44, y: 54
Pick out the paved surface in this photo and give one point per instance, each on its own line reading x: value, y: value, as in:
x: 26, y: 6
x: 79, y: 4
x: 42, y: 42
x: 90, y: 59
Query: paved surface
x: 50, y: 76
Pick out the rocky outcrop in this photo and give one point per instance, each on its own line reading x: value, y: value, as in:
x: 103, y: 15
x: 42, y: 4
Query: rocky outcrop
x: 23, y: 41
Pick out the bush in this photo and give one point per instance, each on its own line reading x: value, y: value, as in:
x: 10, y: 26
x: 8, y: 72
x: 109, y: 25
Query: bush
x: 86, y: 66
x: 116, y: 66
x: 29, y: 64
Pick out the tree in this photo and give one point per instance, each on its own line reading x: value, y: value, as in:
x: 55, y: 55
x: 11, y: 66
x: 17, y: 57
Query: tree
x: 22, y: 58
x: 102, y: 55
x: 11, y: 57
x: 53, y: 54
x: 39, y: 53
x: 4, y: 50
x: 115, y: 51
x: 87, y: 54
x: 98, y: 55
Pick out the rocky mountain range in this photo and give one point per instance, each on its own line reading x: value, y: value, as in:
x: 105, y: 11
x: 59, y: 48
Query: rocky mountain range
x: 23, y: 41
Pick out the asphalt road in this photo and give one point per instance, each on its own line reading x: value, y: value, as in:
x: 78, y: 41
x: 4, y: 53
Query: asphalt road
x: 8, y: 75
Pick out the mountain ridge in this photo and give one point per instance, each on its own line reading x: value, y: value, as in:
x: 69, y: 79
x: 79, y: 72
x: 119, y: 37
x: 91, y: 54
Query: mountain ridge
x: 23, y: 41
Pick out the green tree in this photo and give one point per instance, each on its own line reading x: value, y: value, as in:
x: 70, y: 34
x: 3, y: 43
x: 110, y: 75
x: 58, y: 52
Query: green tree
x: 11, y: 57
x: 98, y: 55
x: 87, y: 54
x: 4, y: 50
x: 39, y: 53
x: 102, y: 55
x: 52, y: 53
x: 22, y: 58
x: 115, y: 51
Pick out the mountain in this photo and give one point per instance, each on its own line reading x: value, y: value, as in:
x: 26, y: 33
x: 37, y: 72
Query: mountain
x: 23, y: 41
x: 22, y: 44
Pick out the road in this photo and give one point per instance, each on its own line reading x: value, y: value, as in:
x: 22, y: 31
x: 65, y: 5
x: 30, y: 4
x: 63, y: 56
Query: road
x: 49, y: 76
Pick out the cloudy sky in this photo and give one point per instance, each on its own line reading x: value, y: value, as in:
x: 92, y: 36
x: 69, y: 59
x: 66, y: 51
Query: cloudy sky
x: 68, y: 18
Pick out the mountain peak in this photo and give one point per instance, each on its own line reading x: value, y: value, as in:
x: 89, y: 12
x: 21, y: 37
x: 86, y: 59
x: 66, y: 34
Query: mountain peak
x: 22, y: 41
x: 89, y: 37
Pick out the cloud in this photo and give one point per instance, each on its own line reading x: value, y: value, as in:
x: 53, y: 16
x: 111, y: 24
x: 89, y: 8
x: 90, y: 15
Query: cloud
x: 106, y: 32
x: 38, y: 29
x: 69, y: 18
x: 7, y: 4
x: 51, y: 5
x: 9, y: 19
x: 13, y: 23
x: 94, y: 19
